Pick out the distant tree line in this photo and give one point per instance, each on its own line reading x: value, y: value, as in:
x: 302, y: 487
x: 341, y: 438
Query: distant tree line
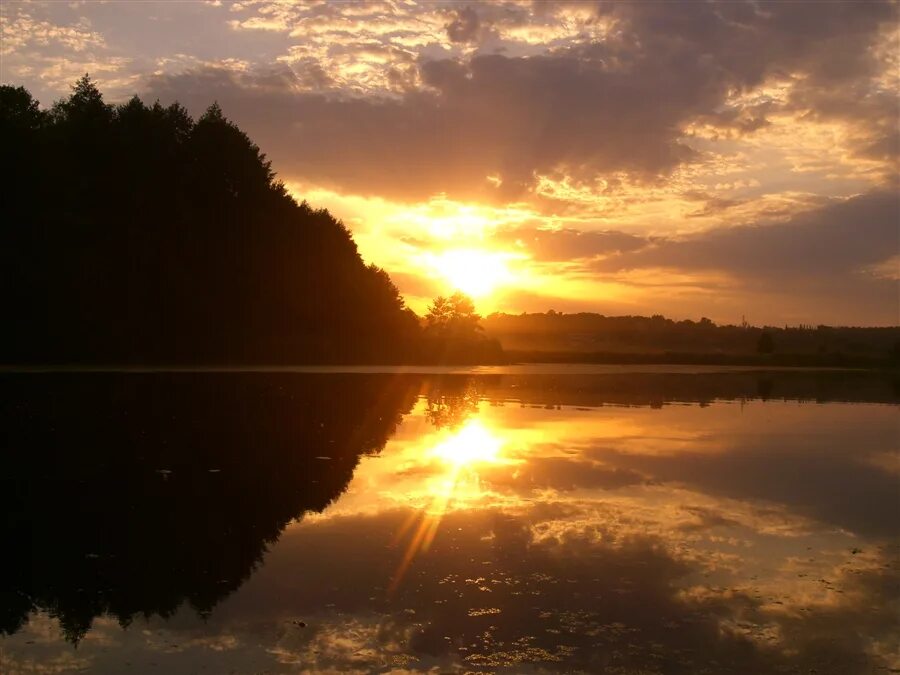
x: 588, y: 333
x: 133, y: 233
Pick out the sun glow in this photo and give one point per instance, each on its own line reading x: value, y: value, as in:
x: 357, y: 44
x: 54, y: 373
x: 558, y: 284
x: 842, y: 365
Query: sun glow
x: 461, y: 453
x: 475, y: 272
x: 470, y: 445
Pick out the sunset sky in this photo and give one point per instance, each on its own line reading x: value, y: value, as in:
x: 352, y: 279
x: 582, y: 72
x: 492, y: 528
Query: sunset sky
x: 693, y: 159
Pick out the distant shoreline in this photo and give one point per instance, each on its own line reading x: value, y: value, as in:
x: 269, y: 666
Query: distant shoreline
x: 519, y: 367
x: 817, y: 361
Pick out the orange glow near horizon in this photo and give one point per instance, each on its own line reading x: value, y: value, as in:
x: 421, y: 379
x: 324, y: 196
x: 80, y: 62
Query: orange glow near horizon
x: 475, y: 272
x: 440, y: 245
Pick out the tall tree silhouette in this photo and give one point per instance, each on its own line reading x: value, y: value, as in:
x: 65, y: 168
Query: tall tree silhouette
x: 132, y: 233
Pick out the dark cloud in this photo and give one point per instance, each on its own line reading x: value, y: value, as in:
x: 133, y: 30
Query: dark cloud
x: 827, y: 53
x: 309, y: 74
x: 568, y: 243
x: 706, y: 519
x: 615, y: 105
x: 820, y: 258
x: 816, y: 246
x: 464, y: 27
x: 563, y: 474
x: 712, y: 205
x: 836, y: 255
x: 512, y: 116
x: 747, y: 41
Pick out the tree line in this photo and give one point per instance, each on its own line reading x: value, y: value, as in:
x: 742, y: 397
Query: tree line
x: 613, y: 337
x: 133, y: 233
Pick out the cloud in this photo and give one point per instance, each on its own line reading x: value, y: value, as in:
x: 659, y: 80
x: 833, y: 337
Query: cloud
x: 591, y: 108
x: 20, y: 30
x: 818, y: 246
x: 825, y: 261
x: 832, y: 262
x: 464, y: 27
x: 659, y: 118
x: 563, y: 474
x: 494, y: 115
x: 568, y: 243
x: 840, y: 488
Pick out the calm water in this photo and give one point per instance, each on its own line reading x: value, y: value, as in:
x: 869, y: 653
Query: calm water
x: 602, y: 521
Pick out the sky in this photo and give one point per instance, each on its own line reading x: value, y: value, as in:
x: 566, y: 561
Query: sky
x: 718, y: 159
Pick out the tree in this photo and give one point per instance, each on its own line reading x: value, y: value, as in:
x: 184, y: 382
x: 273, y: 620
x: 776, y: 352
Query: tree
x: 454, y: 332
x: 85, y: 106
x: 766, y: 344
x: 454, y: 317
x: 21, y: 126
x: 18, y: 110
x: 143, y: 236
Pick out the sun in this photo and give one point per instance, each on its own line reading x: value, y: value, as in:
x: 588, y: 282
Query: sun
x: 470, y: 445
x: 475, y: 272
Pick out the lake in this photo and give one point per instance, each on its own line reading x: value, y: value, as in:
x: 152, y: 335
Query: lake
x: 517, y: 520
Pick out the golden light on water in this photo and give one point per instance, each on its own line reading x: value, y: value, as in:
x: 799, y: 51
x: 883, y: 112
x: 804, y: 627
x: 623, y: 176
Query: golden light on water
x: 472, y: 444
x: 460, y: 454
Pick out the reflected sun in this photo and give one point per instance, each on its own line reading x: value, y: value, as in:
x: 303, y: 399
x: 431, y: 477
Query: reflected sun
x: 458, y: 485
x: 471, y: 444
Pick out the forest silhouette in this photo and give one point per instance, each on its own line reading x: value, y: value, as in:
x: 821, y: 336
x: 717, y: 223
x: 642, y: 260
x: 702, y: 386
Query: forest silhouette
x: 180, y: 482
x: 134, y: 234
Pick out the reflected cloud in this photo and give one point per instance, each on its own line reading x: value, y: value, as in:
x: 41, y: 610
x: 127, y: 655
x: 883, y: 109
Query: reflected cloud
x: 515, y: 524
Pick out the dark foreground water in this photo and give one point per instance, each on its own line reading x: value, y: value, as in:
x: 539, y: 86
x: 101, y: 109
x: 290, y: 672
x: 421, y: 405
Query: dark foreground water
x: 602, y: 522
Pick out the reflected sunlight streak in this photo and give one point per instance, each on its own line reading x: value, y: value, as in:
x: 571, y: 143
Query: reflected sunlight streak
x: 461, y: 454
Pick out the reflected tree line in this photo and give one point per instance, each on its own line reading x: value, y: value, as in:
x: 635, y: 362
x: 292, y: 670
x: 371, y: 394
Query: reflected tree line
x: 451, y: 399
x: 133, y: 233
x: 131, y: 495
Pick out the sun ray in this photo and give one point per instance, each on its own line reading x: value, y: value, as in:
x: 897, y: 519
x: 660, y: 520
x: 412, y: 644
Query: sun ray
x: 461, y: 453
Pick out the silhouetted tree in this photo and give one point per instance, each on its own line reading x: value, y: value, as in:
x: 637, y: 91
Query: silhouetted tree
x: 21, y: 129
x: 453, y: 316
x: 453, y: 329
x: 131, y: 233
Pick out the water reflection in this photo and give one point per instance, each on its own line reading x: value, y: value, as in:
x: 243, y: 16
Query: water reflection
x: 454, y: 485
x: 480, y: 526
x: 130, y: 495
